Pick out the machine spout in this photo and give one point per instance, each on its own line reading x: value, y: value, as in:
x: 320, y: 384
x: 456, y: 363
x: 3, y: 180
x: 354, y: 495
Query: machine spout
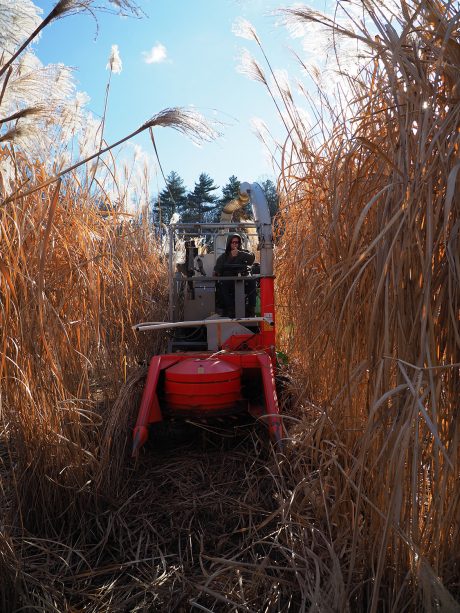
x: 234, y: 205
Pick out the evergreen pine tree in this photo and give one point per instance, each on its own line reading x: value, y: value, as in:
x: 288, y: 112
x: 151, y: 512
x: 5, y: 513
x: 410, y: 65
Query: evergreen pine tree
x: 201, y: 201
x: 271, y: 195
x: 172, y: 199
x: 230, y: 190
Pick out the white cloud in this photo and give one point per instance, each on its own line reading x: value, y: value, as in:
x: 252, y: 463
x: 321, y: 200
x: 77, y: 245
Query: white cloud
x: 156, y: 55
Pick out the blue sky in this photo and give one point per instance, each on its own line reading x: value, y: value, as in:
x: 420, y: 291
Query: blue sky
x: 197, y: 63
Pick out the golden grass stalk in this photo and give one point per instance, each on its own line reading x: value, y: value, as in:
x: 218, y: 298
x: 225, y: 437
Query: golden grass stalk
x: 72, y: 281
x: 186, y: 121
x: 368, y: 272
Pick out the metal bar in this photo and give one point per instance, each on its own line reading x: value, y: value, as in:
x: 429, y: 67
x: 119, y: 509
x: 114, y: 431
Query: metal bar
x: 239, y: 278
x: 164, y: 325
x: 171, y: 275
x: 239, y: 297
x: 224, y: 226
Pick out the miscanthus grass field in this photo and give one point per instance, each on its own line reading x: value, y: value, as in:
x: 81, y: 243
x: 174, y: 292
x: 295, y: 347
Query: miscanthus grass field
x: 362, y: 510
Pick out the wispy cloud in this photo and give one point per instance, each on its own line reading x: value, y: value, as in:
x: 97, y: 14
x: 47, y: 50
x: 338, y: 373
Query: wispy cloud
x: 156, y: 55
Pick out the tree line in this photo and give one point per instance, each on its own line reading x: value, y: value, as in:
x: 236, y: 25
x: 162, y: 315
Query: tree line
x: 201, y: 204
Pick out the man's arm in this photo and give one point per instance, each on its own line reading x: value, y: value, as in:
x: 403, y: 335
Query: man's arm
x: 248, y: 257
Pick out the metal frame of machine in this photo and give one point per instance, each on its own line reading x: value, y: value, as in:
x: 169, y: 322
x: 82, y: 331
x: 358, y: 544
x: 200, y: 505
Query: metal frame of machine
x: 215, y: 365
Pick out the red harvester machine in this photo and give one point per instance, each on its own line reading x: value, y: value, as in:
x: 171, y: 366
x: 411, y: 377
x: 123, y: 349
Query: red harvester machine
x: 216, y: 365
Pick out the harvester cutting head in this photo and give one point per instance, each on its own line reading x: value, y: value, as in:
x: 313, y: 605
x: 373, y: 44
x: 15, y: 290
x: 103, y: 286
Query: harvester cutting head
x: 221, y: 354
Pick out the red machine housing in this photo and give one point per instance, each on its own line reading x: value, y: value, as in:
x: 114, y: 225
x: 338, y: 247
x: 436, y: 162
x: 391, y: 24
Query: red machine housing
x: 234, y: 381
x: 240, y: 375
x: 208, y: 386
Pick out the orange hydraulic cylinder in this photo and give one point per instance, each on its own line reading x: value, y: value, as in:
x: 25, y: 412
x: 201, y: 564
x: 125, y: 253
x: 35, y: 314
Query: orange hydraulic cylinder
x: 150, y: 411
x: 271, y: 400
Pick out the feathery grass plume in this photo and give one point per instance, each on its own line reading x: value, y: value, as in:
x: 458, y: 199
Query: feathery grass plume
x: 35, y: 111
x: 28, y: 15
x: 32, y: 83
x: 17, y: 21
x: 260, y: 129
x: 186, y: 121
x: 12, y: 134
x: 115, y: 64
x: 366, y: 269
x: 71, y: 7
x: 244, y: 29
x: 38, y: 99
x: 249, y: 67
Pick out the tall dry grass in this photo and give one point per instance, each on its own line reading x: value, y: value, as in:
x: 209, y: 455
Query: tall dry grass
x: 74, y: 278
x: 362, y: 511
x: 369, y: 271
